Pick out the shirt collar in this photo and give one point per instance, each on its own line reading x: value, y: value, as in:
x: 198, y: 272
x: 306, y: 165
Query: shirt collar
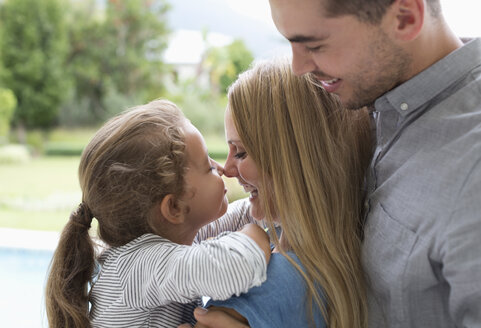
x: 426, y: 85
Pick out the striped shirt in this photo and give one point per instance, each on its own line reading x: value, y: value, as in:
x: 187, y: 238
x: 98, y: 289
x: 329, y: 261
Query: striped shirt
x: 152, y: 282
x: 237, y: 216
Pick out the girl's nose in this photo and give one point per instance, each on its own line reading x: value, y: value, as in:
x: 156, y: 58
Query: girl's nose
x: 218, y: 167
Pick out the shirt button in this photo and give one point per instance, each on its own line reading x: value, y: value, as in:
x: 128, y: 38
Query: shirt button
x: 366, y: 205
x: 404, y: 106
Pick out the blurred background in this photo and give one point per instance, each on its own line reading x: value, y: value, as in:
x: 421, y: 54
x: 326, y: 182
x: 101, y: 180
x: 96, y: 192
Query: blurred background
x: 66, y: 66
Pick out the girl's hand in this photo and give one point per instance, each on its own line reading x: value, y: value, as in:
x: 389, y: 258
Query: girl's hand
x: 215, y: 317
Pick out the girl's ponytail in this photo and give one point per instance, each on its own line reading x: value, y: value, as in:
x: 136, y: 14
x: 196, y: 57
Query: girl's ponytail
x: 70, y: 272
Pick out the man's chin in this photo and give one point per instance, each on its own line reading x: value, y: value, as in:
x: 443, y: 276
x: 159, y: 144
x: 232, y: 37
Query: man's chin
x: 354, y: 104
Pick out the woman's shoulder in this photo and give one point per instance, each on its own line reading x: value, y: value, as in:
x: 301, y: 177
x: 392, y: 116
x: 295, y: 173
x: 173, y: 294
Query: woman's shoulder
x: 283, y: 278
x: 280, y: 301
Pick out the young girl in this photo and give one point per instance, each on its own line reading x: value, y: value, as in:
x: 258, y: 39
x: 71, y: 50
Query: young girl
x: 147, y: 179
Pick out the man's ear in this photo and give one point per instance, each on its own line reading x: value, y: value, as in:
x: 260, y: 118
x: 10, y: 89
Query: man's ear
x: 172, y: 210
x: 407, y: 17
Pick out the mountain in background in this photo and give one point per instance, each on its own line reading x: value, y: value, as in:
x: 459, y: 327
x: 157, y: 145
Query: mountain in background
x: 217, y: 17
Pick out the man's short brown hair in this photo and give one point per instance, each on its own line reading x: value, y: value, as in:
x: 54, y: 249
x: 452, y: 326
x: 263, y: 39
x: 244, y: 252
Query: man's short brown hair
x: 369, y: 11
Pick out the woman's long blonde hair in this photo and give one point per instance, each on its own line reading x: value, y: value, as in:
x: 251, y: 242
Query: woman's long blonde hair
x: 127, y: 168
x: 312, y: 156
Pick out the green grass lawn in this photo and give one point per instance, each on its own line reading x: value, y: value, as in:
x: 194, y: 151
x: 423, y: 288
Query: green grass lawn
x: 40, y: 194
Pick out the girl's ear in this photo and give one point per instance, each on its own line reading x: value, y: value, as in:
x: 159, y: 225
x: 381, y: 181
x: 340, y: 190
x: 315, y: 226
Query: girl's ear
x: 172, y: 210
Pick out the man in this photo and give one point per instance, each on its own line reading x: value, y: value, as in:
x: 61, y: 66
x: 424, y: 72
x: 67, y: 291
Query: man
x: 422, y: 246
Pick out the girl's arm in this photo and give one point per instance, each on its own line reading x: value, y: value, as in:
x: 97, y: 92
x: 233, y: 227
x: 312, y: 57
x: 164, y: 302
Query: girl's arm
x: 236, y: 217
x: 227, y: 265
x: 221, y: 267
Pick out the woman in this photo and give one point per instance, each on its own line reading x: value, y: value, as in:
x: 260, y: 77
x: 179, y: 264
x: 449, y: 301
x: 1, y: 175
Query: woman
x: 303, y: 159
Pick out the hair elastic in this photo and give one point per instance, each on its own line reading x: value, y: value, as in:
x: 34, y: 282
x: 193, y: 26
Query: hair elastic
x: 82, y: 216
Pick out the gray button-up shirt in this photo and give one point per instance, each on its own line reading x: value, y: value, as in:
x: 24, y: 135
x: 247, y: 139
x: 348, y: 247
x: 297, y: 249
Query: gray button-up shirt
x: 422, y: 247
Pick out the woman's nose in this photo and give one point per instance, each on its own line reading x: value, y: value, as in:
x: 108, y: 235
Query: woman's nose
x: 230, y: 170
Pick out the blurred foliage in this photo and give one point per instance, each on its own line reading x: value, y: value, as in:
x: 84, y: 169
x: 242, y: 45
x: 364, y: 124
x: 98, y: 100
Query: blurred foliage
x: 14, y: 154
x: 57, y: 141
x: 204, y: 109
x: 114, y: 59
x: 63, y: 148
x: 203, y: 104
x: 8, y: 102
x: 225, y: 64
x: 34, y: 46
x: 73, y: 63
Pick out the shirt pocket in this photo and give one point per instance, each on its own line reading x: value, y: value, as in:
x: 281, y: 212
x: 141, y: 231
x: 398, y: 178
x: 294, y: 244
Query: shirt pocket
x: 386, y: 251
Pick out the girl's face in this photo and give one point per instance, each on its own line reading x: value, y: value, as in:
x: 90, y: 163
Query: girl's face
x: 242, y: 167
x: 205, y: 192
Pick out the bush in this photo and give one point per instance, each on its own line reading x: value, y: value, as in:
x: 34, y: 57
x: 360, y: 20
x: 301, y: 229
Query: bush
x: 63, y: 149
x: 34, y: 45
x: 78, y: 111
x: 35, y: 140
x: 8, y: 102
x: 14, y: 154
x: 203, y: 108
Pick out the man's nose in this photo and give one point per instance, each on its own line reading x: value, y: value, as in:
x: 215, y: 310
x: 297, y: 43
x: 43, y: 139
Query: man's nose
x: 302, y: 62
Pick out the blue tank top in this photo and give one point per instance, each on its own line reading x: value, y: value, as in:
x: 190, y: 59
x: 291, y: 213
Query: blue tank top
x: 280, y: 302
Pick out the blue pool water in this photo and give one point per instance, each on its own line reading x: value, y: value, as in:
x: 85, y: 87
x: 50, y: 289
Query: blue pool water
x: 22, y: 276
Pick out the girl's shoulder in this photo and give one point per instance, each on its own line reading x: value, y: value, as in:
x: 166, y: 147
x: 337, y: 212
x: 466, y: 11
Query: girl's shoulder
x: 143, y: 243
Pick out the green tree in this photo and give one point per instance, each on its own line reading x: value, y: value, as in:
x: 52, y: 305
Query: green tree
x: 117, y: 54
x: 8, y: 102
x: 34, y: 44
x: 225, y: 63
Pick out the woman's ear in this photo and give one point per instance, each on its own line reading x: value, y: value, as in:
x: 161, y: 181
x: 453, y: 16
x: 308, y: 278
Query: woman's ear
x: 172, y: 210
x: 407, y: 17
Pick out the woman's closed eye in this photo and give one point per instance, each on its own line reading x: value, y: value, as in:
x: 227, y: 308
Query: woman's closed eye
x: 240, y: 155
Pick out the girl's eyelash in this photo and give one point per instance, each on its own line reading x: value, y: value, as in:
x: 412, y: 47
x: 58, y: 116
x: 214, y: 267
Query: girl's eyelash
x: 240, y: 155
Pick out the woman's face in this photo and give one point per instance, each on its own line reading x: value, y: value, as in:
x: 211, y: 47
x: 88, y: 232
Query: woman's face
x: 242, y: 167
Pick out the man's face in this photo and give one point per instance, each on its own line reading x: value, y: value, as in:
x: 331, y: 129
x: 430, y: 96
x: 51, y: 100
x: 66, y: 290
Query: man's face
x: 355, y: 60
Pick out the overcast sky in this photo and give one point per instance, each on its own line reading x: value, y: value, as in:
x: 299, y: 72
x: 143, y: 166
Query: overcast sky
x: 251, y: 21
x: 462, y: 15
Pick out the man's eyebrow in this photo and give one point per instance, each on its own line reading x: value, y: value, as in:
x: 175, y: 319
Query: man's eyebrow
x: 303, y: 39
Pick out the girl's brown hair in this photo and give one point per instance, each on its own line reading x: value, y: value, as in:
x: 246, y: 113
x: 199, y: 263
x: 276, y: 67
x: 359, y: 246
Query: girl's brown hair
x: 131, y: 163
x: 312, y: 156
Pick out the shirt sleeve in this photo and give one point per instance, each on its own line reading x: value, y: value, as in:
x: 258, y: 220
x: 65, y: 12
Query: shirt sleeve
x: 218, y: 268
x: 236, y: 217
x: 279, y: 302
x: 461, y: 252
